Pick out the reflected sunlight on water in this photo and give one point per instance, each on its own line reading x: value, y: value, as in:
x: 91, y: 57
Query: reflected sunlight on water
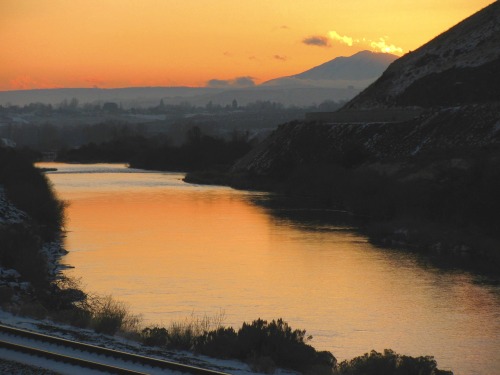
x: 168, y: 248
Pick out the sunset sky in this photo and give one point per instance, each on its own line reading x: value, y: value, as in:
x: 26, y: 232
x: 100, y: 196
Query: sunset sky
x: 121, y: 43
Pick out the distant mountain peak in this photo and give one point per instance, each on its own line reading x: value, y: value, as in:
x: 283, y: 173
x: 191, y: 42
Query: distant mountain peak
x: 361, y: 68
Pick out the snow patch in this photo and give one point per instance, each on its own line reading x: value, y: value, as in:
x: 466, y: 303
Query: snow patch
x: 119, y: 343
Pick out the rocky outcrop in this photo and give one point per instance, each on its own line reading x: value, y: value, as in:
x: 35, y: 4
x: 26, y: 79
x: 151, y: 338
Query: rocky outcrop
x: 456, y: 132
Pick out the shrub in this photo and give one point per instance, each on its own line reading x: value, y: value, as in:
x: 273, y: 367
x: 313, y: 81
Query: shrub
x: 277, y: 340
x: 221, y: 343
x: 154, y: 336
x: 75, y: 316
x: 109, y: 316
x: 261, y: 344
x: 389, y: 363
x: 20, y: 250
x: 31, y: 192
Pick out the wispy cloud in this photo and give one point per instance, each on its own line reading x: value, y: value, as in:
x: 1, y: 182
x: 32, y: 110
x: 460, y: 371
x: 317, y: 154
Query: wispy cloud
x: 339, y: 38
x: 382, y: 46
x: 279, y: 57
x: 238, y: 82
x: 379, y: 45
x: 317, y: 40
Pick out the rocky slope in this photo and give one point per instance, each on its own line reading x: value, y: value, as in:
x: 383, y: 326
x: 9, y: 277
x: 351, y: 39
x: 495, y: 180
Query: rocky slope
x: 449, y: 131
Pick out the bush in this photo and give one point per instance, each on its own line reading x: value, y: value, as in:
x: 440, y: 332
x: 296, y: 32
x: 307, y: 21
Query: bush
x: 19, y: 250
x: 75, y: 316
x: 221, y: 343
x: 154, y: 336
x: 31, y: 192
x: 261, y: 344
x: 286, y: 347
x: 389, y: 363
x: 109, y: 316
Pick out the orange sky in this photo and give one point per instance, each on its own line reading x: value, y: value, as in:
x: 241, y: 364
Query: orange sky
x: 121, y: 43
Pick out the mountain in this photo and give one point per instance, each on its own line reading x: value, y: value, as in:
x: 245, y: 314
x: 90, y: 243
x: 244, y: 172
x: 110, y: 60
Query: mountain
x: 357, y: 70
x: 462, y: 65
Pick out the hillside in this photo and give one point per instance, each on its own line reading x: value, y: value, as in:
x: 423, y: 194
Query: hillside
x: 461, y: 65
x: 428, y: 182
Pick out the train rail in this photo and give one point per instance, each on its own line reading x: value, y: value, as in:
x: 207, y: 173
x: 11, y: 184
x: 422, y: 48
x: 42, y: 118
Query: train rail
x: 87, y: 356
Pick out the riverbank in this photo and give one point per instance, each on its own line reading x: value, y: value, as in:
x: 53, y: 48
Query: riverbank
x: 443, y: 244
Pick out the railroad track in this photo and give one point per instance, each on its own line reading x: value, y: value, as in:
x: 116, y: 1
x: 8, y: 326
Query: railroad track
x: 88, y: 356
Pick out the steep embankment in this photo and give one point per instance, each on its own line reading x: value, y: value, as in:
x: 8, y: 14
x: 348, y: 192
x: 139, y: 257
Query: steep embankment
x: 446, y: 132
x: 30, y: 222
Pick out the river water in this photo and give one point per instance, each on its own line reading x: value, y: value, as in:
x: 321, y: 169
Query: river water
x: 169, y: 249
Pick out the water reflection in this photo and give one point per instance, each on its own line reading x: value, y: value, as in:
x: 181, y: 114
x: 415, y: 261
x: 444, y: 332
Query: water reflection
x: 168, y: 248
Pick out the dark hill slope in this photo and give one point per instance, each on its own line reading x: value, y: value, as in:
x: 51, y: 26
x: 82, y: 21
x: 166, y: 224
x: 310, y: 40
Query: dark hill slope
x: 449, y: 131
x: 462, y: 65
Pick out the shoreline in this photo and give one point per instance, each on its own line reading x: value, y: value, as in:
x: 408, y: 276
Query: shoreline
x: 444, y: 246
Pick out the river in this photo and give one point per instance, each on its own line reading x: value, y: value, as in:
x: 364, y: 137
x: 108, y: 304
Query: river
x: 169, y: 249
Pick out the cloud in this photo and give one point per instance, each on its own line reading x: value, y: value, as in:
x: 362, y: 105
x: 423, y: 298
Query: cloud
x: 382, y: 46
x: 339, y: 38
x: 281, y: 58
x: 317, y: 40
x: 238, y: 82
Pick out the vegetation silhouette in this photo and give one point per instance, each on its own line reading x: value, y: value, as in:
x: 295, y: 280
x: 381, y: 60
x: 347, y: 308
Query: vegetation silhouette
x: 20, y: 242
x: 198, y: 152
